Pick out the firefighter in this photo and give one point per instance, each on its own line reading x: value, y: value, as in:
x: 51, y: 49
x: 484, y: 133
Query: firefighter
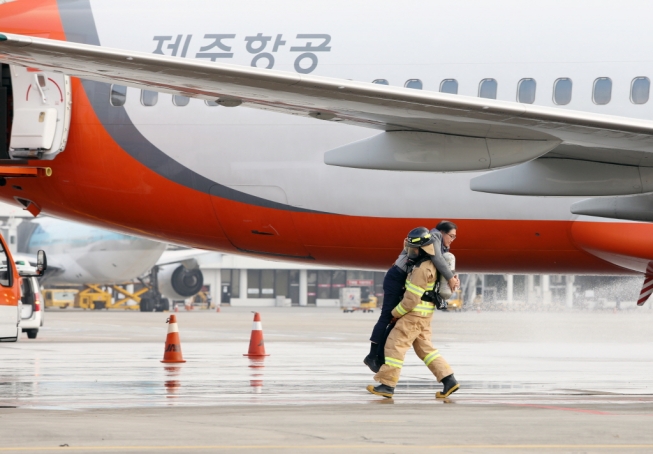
x: 393, y: 284
x: 414, y: 324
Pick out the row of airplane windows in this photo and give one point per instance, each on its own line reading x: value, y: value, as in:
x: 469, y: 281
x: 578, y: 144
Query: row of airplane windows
x: 487, y: 88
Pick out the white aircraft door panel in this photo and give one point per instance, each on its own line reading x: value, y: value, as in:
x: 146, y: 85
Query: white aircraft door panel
x: 41, y: 113
x: 33, y: 129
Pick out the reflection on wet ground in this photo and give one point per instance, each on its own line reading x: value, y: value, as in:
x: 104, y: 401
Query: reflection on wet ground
x: 112, y: 375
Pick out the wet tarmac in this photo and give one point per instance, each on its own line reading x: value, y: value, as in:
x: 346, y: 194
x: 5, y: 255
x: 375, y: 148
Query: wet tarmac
x: 558, y: 382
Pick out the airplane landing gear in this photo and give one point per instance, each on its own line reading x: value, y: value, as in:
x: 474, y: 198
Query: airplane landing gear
x: 153, y: 300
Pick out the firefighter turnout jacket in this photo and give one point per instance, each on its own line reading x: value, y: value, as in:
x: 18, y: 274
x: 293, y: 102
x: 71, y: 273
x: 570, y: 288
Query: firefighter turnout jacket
x: 413, y: 329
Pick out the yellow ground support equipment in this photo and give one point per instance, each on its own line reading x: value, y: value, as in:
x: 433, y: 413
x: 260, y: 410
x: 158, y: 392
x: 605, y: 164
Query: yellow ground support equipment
x: 95, y: 297
x: 456, y: 301
x: 59, y: 297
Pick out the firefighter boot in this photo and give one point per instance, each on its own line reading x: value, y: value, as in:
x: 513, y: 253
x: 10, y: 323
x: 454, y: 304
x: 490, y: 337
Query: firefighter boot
x: 372, y: 360
x: 450, y: 386
x: 381, y: 390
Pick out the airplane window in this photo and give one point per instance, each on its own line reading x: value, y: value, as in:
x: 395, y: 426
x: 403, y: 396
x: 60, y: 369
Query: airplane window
x: 449, y: 86
x: 526, y: 91
x: 414, y: 83
x: 380, y: 82
x: 149, y: 98
x: 180, y: 101
x: 639, y: 90
x: 602, y: 91
x: 562, y: 91
x: 488, y: 89
x: 118, y: 95
x: 211, y: 103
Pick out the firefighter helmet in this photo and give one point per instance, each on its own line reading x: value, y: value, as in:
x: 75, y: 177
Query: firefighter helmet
x: 419, y: 237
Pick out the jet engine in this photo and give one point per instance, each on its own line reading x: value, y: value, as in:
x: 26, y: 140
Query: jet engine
x: 177, y: 282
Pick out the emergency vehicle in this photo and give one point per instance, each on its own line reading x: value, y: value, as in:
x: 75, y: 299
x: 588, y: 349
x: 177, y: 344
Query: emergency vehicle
x: 10, y: 291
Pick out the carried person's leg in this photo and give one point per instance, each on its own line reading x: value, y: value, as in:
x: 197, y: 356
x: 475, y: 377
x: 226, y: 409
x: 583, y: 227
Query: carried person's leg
x: 393, y: 292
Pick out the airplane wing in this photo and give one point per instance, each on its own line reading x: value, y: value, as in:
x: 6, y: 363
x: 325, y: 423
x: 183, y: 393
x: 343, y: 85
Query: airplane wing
x: 424, y: 131
x: 548, y: 151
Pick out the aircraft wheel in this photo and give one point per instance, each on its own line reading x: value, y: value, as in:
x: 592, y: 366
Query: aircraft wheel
x: 145, y: 305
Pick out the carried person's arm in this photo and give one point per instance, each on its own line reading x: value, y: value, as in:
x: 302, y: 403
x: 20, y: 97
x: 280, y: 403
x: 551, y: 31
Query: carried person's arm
x: 416, y: 285
x: 438, y: 260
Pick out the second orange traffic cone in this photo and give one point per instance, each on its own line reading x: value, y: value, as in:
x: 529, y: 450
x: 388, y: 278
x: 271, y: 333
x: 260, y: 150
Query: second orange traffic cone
x: 172, y: 352
x: 256, y: 345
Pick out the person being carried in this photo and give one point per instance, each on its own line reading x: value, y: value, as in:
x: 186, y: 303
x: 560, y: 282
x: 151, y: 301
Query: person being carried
x: 414, y: 325
x: 393, y: 284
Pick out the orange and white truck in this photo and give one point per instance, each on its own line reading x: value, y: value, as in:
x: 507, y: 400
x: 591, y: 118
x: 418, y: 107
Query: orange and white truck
x: 10, y: 292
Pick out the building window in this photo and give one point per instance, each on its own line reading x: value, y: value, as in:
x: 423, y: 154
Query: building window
x: 414, y: 83
x: 293, y: 286
x: 281, y: 283
x: 380, y: 82
x: 149, y: 98
x: 526, y: 91
x: 253, y: 284
x: 337, y: 282
x: 639, y: 90
x: 562, y: 91
x: 211, y: 103
x: 180, y: 101
x: 487, y: 89
x: 231, y: 278
x: 602, y: 92
x: 378, y: 287
x: 118, y: 95
x: 267, y: 283
x: 311, y: 293
x: 324, y: 284
x: 449, y: 86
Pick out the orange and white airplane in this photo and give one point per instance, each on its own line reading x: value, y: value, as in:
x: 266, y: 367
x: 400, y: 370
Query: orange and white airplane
x: 325, y: 131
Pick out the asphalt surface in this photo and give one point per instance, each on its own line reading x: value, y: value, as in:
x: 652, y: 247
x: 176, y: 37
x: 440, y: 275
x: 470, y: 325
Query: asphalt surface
x: 530, y: 382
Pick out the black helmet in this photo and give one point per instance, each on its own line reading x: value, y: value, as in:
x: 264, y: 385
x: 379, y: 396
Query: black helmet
x: 419, y: 237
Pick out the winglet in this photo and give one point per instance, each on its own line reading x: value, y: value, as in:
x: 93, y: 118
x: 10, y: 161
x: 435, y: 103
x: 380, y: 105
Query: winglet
x: 647, y: 288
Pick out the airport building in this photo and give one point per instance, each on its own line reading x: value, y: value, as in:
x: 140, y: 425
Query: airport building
x: 247, y: 281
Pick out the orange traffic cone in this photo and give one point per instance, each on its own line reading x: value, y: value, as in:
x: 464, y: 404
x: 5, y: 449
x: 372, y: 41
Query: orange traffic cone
x: 256, y: 346
x: 172, y: 353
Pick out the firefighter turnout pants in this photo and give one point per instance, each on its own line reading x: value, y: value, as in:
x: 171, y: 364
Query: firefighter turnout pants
x: 411, y: 329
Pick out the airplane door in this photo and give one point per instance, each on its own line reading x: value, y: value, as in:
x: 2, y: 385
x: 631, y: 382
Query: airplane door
x: 258, y: 229
x: 41, y: 113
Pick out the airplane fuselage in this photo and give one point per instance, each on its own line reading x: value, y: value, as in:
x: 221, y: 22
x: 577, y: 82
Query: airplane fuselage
x: 251, y: 181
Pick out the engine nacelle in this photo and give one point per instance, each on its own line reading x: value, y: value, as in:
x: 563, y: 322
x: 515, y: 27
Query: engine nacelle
x: 177, y: 282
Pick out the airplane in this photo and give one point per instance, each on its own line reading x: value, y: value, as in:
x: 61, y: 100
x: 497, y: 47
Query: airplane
x: 83, y: 254
x: 323, y: 132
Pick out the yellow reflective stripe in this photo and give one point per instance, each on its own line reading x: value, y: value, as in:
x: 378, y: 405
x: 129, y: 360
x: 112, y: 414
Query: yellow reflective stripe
x: 399, y: 308
x: 410, y: 284
x: 431, y: 356
x: 425, y: 308
x: 415, y: 240
x: 394, y: 362
x: 412, y: 288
